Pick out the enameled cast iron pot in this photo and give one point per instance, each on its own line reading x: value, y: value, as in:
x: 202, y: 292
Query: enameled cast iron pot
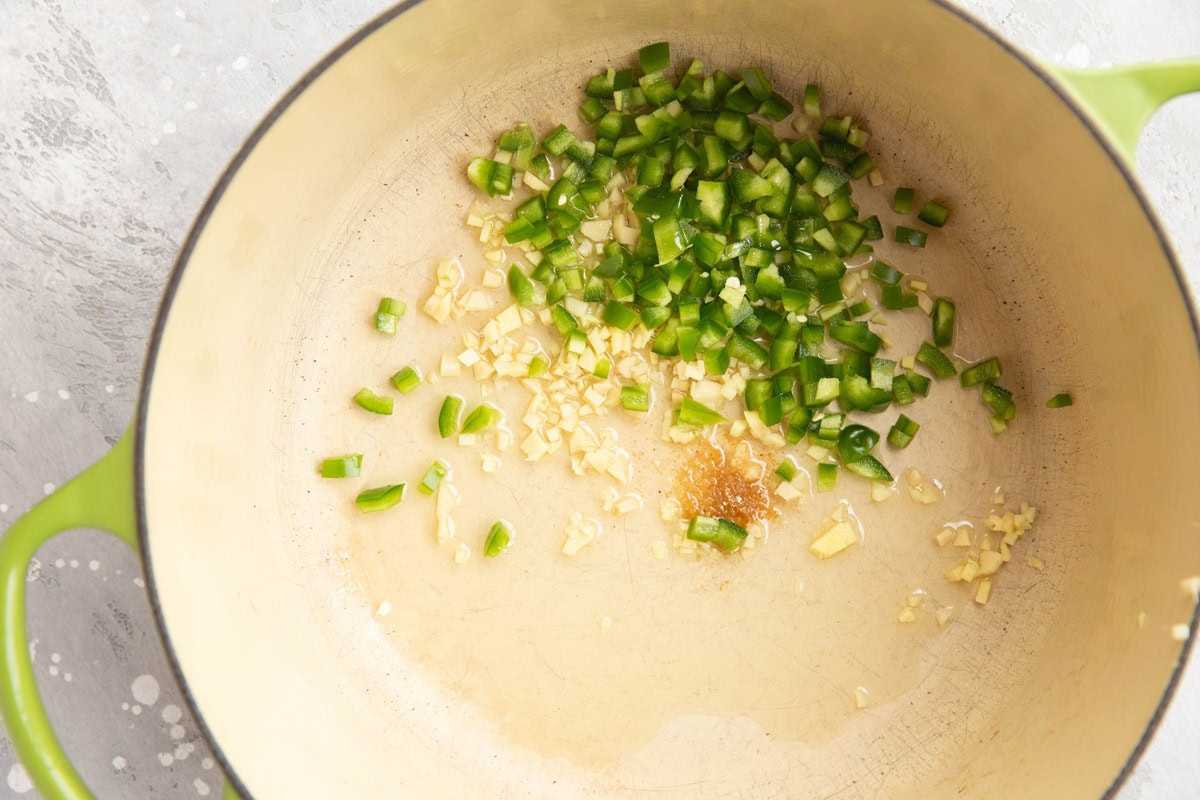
x: 354, y: 184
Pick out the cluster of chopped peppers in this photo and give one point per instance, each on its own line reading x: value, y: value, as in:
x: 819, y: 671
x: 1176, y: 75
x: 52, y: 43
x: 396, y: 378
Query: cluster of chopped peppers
x: 741, y: 250
x: 739, y: 260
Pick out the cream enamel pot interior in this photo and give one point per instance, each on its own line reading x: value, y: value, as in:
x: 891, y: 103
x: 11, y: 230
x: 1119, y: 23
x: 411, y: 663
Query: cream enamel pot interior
x: 730, y: 678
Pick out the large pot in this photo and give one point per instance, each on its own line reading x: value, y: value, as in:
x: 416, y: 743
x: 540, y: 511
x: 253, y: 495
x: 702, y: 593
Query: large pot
x: 266, y: 581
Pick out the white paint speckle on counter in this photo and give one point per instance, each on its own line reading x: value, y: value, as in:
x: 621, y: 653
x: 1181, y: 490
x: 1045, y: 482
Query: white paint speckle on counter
x: 1078, y: 55
x: 113, y: 132
x: 18, y: 779
x: 145, y: 689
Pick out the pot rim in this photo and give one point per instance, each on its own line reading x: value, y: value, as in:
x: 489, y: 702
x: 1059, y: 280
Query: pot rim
x: 316, y: 71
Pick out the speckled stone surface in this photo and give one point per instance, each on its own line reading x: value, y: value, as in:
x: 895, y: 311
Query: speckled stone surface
x: 115, y: 120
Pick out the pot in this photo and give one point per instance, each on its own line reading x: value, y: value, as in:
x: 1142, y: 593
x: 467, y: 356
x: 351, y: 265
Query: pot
x: 270, y: 589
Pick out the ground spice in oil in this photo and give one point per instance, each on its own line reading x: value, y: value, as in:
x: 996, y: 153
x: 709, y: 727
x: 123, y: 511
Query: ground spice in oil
x: 722, y: 481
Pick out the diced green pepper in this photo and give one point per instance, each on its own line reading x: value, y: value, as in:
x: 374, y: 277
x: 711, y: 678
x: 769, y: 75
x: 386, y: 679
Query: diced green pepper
x: 870, y: 468
x: 934, y: 214
x: 342, y: 466
x: 902, y: 432
x: 902, y: 390
x: 407, y: 379
x: 695, y: 413
x: 389, y: 313
x: 619, y: 316
x: 372, y: 402
x: 702, y: 529
x: 520, y: 286
x: 937, y: 361
x: 856, y: 335
x: 943, y: 322
x: 433, y: 477
x: 636, y: 398
x: 498, y: 539
x: 747, y: 351
x: 911, y: 237
x: 1060, y: 400
x: 786, y: 469
x: 812, y: 100
x: 449, y: 416
x: 855, y: 441
x: 1000, y: 401
x: 826, y: 477
x: 655, y: 57
x: 729, y: 535
x: 886, y: 274
x: 380, y: 498
x: 985, y: 371
x: 482, y: 418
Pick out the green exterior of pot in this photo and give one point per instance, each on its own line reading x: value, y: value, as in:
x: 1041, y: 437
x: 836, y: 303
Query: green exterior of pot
x: 101, y: 497
x: 1122, y: 99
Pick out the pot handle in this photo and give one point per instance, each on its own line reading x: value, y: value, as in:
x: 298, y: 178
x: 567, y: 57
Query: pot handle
x: 1123, y: 98
x: 101, y: 497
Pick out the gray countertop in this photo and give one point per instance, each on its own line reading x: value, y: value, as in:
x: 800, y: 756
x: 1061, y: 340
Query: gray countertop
x: 115, y: 120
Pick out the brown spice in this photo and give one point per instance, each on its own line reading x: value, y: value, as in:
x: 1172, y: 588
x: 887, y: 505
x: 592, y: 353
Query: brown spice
x: 717, y: 481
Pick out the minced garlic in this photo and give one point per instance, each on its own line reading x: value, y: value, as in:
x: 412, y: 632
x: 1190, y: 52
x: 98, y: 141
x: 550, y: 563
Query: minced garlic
x: 983, y: 591
x: 446, y: 501
x: 882, y: 492
x: 580, y: 533
x: 922, y: 489
x: 834, y: 540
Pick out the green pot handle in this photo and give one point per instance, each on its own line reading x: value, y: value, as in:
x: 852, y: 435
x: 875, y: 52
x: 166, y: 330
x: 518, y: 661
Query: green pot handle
x: 102, y: 497
x: 1123, y: 98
